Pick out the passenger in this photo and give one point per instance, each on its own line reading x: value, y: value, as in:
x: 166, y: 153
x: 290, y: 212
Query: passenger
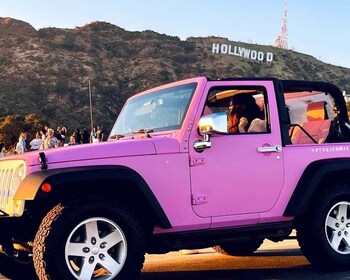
x: 243, y: 113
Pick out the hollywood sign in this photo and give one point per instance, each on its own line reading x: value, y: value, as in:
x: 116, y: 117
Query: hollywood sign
x: 242, y: 52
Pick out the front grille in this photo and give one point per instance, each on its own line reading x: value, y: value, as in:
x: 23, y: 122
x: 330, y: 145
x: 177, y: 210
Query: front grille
x: 12, y: 173
x: 6, y: 176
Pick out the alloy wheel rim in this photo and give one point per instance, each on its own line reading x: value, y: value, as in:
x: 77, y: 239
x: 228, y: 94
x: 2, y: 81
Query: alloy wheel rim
x: 337, y: 227
x: 96, y: 249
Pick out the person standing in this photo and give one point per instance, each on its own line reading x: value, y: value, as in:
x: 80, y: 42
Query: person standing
x: 46, y: 129
x: 2, y: 150
x: 43, y: 134
x: 21, y: 144
x: 77, y: 135
x: 85, y: 136
x: 93, y: 135
x: 99, y: 133
x: 63, y: 135
x: 50, y: 141
x: 59, y: 137
x: 35, y: 144
x: 71, y: 141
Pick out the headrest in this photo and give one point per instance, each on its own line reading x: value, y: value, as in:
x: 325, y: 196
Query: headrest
x: 316, y: 111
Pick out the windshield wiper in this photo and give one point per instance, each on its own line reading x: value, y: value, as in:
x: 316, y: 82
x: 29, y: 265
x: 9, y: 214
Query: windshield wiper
x: 145, y: 131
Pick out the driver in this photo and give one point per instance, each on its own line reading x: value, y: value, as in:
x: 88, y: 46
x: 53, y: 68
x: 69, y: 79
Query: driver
x: 244, y: 113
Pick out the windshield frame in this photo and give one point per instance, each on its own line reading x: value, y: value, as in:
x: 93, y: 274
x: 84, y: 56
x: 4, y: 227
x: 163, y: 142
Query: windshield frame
x: 174, y: 101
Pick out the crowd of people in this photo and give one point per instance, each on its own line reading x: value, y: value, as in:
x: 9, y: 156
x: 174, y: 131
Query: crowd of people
x: 48, y: 138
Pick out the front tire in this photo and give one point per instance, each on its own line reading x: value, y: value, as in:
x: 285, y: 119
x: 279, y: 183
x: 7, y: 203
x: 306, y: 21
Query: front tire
x: 95, y: 240
x: 18, y: 265
x: 324, y: 232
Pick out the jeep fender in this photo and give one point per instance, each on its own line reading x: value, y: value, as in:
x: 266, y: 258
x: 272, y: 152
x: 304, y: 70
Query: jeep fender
x: 30, y: 188
x: 311, y: 182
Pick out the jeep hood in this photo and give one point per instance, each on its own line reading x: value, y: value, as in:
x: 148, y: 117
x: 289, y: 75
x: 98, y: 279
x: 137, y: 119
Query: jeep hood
x: 110, y: 149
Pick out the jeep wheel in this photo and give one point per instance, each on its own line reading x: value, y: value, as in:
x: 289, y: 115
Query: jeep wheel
x: 93, y: 241
x: 324, y: 233
x: 239, y: 248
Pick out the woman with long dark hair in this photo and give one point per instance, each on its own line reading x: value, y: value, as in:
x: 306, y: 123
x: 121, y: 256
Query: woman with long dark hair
x: 242, y: 111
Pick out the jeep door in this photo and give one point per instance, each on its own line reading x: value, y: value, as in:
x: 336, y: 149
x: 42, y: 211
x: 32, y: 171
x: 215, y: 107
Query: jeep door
x: 241, y: 173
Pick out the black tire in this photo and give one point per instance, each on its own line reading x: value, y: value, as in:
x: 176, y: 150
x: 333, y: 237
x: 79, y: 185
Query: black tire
x: 239, y: 248
x: 69, y: 235
x: 324, y: 231
x: 15, y: 268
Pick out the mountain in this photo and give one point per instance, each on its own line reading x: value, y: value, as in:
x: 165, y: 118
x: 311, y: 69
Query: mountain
x: 47, y: 71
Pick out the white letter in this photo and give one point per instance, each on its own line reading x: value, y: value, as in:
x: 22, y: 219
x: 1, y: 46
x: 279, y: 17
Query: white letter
x: 230, y: 50
x: 216, y: 48
x: 240, y: 50
x: 246, y: 53
x: 269, y: 57
x: 224, y: 48
x: 260, y: 56
x: 235, y: 51
x: 253, y: 54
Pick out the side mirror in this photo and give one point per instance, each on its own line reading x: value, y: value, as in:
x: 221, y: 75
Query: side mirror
x: 209, y: 125
x: 213, y: 124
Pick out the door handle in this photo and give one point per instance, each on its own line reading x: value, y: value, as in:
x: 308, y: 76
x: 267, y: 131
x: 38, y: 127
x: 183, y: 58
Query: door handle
x: 270, y: 149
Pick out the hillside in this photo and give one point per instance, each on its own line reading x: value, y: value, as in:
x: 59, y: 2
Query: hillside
x: 47, y: 71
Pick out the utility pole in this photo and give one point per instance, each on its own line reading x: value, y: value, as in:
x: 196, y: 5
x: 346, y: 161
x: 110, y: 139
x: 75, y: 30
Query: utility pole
x: 91, y: 122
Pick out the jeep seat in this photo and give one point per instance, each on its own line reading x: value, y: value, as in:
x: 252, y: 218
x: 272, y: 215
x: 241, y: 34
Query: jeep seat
x: 317, y: 126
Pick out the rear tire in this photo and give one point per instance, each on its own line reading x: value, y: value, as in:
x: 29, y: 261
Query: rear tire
x: 239, y: 248
x: 96, y: 239
x: 324, y: 232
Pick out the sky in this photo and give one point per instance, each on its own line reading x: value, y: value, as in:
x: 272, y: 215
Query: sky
x: 320, y: 28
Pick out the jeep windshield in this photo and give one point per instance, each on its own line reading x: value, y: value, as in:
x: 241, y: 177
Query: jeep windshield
x: 156, y: 111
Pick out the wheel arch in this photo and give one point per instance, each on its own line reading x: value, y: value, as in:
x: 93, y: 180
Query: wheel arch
x: 315, y: 177
x: 114, y: 180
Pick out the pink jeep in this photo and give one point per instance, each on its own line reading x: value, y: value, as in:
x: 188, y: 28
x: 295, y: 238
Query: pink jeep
x: 187, y: 165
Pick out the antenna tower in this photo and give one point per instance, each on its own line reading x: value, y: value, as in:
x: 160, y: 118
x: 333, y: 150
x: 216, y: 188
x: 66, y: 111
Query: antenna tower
x: 282, y: 40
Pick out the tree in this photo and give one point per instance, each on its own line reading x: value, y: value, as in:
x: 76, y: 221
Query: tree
x: 12, y: 125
